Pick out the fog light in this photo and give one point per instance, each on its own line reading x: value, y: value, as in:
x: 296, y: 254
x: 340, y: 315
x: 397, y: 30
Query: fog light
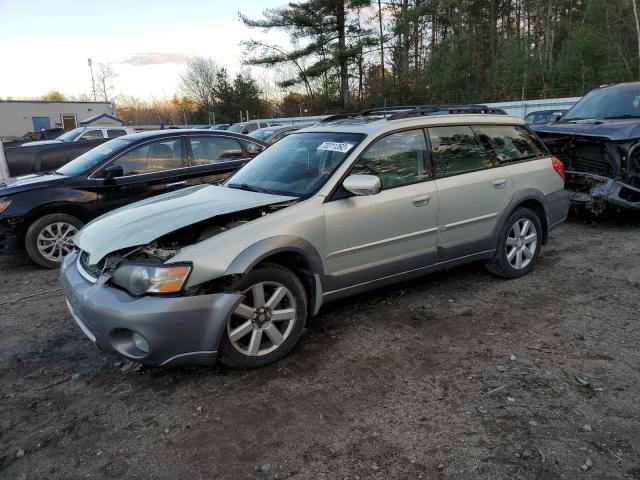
x: 140, y: 342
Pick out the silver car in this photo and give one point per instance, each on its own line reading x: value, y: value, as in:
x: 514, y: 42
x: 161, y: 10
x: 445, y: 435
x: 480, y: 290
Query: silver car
x: 233, y: 271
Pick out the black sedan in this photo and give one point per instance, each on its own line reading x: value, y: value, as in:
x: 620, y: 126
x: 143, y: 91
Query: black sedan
x: 42, y: 212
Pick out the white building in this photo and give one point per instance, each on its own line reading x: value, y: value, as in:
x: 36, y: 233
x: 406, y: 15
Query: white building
x: 17, y: 117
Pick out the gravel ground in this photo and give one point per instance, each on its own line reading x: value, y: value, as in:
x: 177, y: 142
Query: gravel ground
x: 457, y: 375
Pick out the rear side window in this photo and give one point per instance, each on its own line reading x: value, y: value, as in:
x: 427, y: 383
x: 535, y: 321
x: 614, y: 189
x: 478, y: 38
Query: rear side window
x: 397, y: 159
x: 208, y: 150
x: 456, y: 150
x: 92, y: 135
x: 113, y: 133
x: 510, y: 143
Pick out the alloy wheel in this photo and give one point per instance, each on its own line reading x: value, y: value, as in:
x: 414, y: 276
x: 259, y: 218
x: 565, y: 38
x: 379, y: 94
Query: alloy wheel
x: 56, y: 240
x: 263, y: 320
x: 522, y: 242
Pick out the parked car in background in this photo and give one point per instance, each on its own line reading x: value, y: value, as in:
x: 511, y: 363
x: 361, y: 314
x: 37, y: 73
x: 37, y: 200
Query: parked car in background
x: 271, y: 135
x: 46, y: 157
x: 247, y: 127
x: 219, y: 126
x: 598, y: 141
x: 542, y: 117
x: 42, y: 212
x: 85, y: 133
x: 233, y: 271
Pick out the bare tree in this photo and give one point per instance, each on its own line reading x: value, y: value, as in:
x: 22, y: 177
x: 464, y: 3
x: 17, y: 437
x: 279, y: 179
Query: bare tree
x: 199, y: 80
x: 104, y: 79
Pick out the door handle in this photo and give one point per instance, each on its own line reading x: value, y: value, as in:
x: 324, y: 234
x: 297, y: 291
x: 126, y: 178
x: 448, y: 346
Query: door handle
x: 175, y: 184
x: 500, y: 183
x: 421, y: 200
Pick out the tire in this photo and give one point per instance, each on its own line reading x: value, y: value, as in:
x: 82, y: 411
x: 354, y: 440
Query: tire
x: 250, y: 349
x: 516, y: 255
x: 60, y: 228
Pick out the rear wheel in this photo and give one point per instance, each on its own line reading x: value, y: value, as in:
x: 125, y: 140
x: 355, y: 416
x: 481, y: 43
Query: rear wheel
x: 268, y: 322
x: 518, y: 246
x: 50, y: 238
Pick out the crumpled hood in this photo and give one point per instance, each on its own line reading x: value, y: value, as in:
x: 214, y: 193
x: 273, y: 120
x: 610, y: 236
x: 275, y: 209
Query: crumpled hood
x: 142, y: 222
x: 616, y: 130
x: 29, y: 182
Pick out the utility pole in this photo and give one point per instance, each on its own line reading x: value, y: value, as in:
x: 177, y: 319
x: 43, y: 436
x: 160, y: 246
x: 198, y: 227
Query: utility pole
x: 93, y: 83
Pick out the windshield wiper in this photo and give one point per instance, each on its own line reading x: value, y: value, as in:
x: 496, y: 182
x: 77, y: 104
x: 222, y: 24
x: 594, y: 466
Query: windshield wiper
x: 244, y: 186
x: 627, y: 115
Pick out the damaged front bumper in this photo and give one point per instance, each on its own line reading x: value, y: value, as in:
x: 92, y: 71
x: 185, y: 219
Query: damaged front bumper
x: 174, y: 330
x: 595, y: 192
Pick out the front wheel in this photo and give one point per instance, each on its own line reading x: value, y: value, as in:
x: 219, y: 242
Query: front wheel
x: 518, y: 245
x: 50, y: 238
x: 268, y: 322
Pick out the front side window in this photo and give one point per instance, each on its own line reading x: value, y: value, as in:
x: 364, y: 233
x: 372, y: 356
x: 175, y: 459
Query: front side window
x: 92, y: 135
x: 94, y: 157
x: 397, y: 159
x: 152, y: 157
x: 116, y: 132
x: 456, y: 150
x: 298, y: 165
x: 208, y: 150
x: 510, y: 143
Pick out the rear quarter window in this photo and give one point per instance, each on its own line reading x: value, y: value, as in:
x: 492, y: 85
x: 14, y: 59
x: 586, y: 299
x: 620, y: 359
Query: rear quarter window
x: 510, y: 143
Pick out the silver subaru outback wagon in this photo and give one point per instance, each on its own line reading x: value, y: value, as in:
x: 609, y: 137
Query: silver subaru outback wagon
x: 233, y: 271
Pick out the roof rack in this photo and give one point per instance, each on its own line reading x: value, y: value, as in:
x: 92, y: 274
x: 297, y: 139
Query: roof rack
x: 445, y: 110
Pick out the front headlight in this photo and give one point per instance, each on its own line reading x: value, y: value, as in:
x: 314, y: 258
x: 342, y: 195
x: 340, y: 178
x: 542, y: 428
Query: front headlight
x: 141, y: 279
x: 4, y: 204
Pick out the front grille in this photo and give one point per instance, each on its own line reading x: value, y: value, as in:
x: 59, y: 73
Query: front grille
x: 93, y: 270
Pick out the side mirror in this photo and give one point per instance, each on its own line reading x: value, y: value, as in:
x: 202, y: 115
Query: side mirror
x: 113, y: 171
x: 362, y: 185
x: 254, y: 148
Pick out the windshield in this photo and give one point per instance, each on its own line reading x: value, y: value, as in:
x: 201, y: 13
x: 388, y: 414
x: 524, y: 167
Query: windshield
x: 262, y: 134
x: 236, y: 127
x: 298, y: 165
x: 92, y: 158
x: 607, y: 103
x: 71, y: 135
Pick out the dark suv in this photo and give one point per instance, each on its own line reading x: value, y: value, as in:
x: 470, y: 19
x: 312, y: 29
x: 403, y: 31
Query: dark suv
x: 42, y: 212
x: 598, y: 140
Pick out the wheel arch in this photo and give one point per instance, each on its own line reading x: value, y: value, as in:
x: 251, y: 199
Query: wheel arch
x: 532, y: 199
x: 291, y: 252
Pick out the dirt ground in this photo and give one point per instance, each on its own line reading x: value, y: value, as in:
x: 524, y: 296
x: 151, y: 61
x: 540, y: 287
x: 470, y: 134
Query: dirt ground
x: 458, y: 375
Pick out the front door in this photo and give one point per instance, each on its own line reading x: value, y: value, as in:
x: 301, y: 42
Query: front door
x: 472, y: 191
x: 394, y: 231
x: 149, y: 169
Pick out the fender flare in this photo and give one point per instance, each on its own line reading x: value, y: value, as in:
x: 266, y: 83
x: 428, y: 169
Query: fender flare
x: 518, y: 199
x: 246, y: 260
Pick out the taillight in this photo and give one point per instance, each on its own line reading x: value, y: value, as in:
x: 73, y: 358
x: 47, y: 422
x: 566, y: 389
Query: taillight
x: 558, y: 166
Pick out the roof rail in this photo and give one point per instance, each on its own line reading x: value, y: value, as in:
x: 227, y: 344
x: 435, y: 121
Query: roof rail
x: 446, y: 110
x: 388, y: 110
x: 338, y: 116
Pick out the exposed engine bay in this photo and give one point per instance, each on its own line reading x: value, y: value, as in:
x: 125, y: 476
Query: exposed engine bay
x: 600, y: 172
x: 169, y: 245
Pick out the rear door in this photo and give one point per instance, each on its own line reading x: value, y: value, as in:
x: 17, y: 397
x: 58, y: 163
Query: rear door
x: 473, y: 189
x: 215, y: 158
x: 149, y: 169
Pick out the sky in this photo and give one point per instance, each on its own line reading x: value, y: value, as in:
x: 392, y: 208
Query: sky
x: 45, y: 45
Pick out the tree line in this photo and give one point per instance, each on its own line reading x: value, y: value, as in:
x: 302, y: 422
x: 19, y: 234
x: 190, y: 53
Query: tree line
x: 355, y: 54
x: 371, y: 53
